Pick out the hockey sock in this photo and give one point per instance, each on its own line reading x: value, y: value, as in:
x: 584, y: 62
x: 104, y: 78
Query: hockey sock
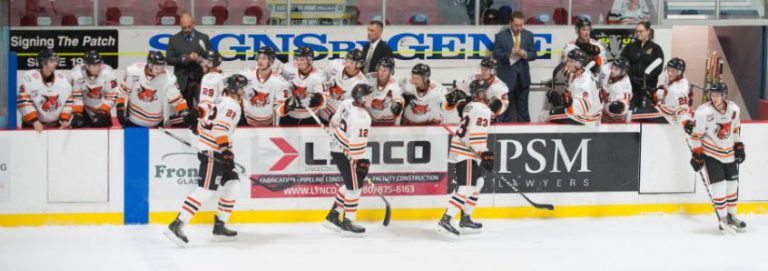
x: 350, y: 203
x: 457, y: 200
x: 732, y: 195
x: 193, y: 203
x: 719, y: 197
x: 227, y: 200
x: 471, y: 203
x: 340, y: 199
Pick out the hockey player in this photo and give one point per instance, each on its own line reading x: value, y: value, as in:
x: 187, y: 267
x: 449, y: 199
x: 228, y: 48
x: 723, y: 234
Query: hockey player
x: 671, y: 100
x: 473, y: 131
x: 218, y: 122
x: 340, y: 79
x: 497, y: 88
x: 307, y: 87
x: 425, y: 100
x: 266, y: 90
x: 615, y: 91
x: 350, y: 126
x: 212, y: 83
x: 98, y: 83
x: 46, y: 98
x: 387, y: 102
x: 580, y: 104
x: 150, y: 93
x: 594, y: 50
x: 717, y: 147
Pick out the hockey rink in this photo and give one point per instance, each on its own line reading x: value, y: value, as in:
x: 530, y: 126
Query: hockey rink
x: 651, y: 242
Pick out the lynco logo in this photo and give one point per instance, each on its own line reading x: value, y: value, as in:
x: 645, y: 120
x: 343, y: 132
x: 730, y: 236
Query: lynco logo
x: 536, y: 149
x: 408, y: 45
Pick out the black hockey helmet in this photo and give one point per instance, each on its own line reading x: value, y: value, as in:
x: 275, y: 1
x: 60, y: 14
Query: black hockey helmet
x: 357, y: 57
x: 387, y: 62
x: 489, y: 62
x: 360, y: 92
x: 304, y: 51
x: 235, y: 83
x: 721, y: 88
x: 579, y: 56
x: 213, y: 56
x: 421, y: 69
x: 621, y: 63
x: 92, y: 57
x: 583, y: 22
x: 677, y: 64
x: 478, y: 86
x: 44, y: 55
x: 156, y: 58
x: 268, y: 51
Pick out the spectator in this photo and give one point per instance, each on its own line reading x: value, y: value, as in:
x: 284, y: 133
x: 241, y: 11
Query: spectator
x: 629, y: 11
x: 184, y: 50
x: 380, y: 47
x: 641, y: 53
x: 513, y: 48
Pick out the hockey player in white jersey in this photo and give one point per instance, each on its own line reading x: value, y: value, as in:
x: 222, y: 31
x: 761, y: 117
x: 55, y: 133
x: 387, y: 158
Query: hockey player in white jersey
x: 341, y: 79
x: 307, y: 88
x: 496, y: 88
x: 98, y: 83
x: 425, y: 100
x: 595, y: 51
x: 580, y: 104
x: 217, y: 124
x: 350, y: 126
x: 46, y: 98
x: 473, y: 131
x: 212, y: 83
x: 152, y: 96
x: 266, y: 90
x: 615, y: 91
x: 387, y: 102
x: 717, y: 147
x: 671, y: 100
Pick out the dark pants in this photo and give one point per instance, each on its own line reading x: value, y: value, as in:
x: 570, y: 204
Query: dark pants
x: 190, y: 92
x: 518, y: 98
x: 353, y: 180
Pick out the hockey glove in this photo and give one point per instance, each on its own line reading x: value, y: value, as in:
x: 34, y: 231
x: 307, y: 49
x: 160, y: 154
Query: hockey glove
x: 227, y: 160
x: 77, y: 121
x: 495, y: 105
x: 554, y: 98
x: 409, y: 98
x: 396, y: 108
x: 688, y: 126
x: 738, y: 149
x: 122, y: 116
x: 486, y: 161
x: 697, y: 159
x: 454, y: 97
x: 616, y: 107
x: 291, y: 104
x: 362, y: 166
x: 316, y: 100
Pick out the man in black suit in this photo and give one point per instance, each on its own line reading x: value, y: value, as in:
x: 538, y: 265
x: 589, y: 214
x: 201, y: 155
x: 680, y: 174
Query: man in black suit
x: 514, y: 48
x: 380, y: 47
x: 184, y: 50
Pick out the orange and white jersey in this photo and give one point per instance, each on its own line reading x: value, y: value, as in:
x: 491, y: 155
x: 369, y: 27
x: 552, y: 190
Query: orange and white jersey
x: 303, y: 86
x: 381, y: 100
x: 674, y: 98
x: 599, y: 60
x: 586, y: 106
x: 47, y: 102
x: 619, y: 90
x: 350, y: 127
x: 217, y: 124
x: 339, y: 86
x: 263, y: 96
x: 99, y: 92
x: 472, y: 131
x: 427, y: 107
x: 149, y: 98
x: 496, y: 88
x: 211, y: 87
x: 714, y: 132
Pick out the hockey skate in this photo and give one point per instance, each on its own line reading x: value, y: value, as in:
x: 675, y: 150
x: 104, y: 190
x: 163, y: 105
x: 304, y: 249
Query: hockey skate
x: 221, y: 233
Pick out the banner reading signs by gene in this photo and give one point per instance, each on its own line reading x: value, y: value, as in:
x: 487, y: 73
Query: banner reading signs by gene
x: 296, y: 163
x: 567, y: 162
x: 66, y: 43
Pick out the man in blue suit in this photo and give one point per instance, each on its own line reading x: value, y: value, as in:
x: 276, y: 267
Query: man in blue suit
x: 514, y: 48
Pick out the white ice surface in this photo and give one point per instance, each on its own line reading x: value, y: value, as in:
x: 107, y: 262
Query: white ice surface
x: 663, y: 242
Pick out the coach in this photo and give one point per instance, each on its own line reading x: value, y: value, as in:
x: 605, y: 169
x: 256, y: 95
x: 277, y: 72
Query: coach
x: 184, y: 50
x: 376, y: 49
x: 513, y: 47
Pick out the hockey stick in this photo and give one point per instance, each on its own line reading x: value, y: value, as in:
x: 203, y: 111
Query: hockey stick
x: 217, y: 160
x: 387, y: 207
x: 545, y: 206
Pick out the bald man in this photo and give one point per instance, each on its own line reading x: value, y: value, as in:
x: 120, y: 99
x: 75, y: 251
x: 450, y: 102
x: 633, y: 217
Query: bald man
x: 184, y: 50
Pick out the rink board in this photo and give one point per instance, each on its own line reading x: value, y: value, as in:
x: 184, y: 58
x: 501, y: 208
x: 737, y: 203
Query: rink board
x: 83, y: 176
